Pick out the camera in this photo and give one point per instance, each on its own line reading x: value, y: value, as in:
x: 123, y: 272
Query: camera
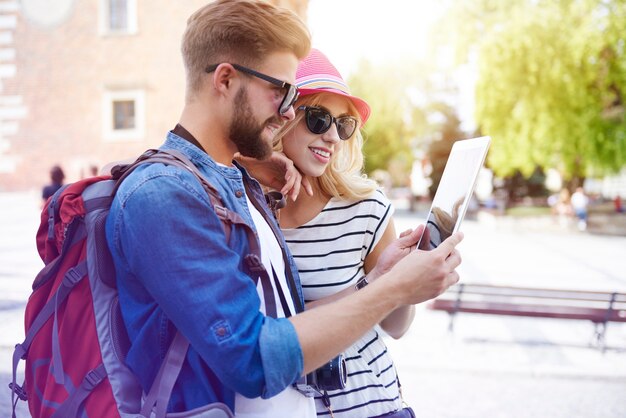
x: 331, y: 376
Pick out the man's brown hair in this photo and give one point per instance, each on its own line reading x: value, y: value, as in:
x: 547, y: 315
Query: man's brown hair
x: 242, y: 32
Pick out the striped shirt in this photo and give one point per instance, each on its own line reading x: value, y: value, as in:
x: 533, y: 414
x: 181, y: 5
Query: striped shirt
x: 330, y: 252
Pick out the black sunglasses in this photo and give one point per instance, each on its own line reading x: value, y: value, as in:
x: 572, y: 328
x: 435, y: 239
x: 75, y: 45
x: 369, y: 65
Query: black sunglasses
x: 291, y: 91
x: 319, y: 120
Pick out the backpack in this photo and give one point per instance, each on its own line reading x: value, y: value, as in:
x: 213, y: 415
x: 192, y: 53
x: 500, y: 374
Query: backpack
x: 76, y: 341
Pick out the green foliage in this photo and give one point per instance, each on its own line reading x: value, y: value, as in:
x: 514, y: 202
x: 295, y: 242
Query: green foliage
x: 387, y: 133
x: 552, y: 83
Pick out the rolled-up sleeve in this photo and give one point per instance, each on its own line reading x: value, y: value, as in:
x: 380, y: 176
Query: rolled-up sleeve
x: 281, y: 355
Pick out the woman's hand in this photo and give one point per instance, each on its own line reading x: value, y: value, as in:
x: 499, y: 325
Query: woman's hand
x: 277, y: 172
x: 396, y: 251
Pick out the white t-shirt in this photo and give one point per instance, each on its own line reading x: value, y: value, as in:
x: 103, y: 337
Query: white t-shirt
x: 579, y: 201
x: 289, y: 403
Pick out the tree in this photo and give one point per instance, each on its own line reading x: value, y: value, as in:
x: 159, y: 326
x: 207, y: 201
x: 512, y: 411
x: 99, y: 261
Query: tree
x: 448, y: 131
x: 389, y: 131
x: 552, y: 83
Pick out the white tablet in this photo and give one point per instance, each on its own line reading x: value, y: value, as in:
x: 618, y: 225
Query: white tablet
x: 454, y: 191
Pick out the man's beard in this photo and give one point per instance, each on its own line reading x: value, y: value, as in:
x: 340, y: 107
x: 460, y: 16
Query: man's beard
x: 245, y: 133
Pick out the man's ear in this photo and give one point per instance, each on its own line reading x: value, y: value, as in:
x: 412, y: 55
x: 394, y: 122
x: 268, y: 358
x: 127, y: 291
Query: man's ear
x: 223, y: 77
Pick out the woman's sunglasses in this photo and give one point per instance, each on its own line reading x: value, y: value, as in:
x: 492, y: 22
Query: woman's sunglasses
x: 319, y: 120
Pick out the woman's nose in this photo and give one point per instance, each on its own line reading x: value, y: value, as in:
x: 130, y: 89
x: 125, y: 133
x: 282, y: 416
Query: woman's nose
x: 331, y: 135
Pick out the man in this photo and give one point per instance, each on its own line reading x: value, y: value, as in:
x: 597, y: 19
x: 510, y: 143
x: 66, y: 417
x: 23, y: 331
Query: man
x: 580, y: 201
x: 176, y: 272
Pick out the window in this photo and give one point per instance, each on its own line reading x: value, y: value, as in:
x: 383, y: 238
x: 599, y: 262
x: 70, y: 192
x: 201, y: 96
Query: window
x: 118, y: 16
x: 123, y: 115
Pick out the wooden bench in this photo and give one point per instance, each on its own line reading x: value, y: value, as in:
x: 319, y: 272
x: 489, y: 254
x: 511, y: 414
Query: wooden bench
x: 597, y: 307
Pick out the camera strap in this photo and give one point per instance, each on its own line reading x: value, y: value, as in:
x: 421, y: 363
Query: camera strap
x: 326, y: 402
x: 281, y: 295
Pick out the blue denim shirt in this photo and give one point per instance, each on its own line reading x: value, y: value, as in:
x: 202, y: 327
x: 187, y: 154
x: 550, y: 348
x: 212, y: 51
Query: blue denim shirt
x: 175, y: 271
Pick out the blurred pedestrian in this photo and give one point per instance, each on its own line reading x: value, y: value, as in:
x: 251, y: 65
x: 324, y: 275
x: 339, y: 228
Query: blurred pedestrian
x: 562, y: 208
x: 618, y: 204
x: 57, y: 176
x: 552, y: 201
x: 579, y: 202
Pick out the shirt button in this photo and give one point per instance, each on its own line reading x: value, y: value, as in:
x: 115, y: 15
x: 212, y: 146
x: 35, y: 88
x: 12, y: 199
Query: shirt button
x: 221, y: 331
x: 238, y: 193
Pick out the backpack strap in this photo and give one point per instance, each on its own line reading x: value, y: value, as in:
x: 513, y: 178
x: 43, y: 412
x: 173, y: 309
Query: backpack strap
x: 174, y: 157
x: 53, y: 211
x: 75, y: 233
x: 70, y: 280
x: 163, y: 384
x: 70, y: 407
x: 276, y: 201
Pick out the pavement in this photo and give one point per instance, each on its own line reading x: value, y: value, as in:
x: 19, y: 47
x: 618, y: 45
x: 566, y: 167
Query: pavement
x: 490, y: 366
x: 495, y: 366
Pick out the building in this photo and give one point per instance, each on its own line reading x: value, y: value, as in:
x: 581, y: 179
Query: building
x: 86, y: 82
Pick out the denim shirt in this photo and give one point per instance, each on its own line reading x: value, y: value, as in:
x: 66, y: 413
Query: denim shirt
x: 175, y: 271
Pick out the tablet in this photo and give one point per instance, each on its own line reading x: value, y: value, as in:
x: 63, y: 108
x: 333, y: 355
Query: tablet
x: 454, y: 191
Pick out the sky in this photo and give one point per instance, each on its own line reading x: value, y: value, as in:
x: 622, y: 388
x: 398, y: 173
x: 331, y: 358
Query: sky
x: 346, y: 30
x: 382, y: 32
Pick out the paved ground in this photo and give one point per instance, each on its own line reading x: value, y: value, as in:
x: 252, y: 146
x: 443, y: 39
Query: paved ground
x: 519, y: 367
x: 490, y: 367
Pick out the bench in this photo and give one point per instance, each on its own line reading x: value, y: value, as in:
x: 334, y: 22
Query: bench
x: 597, y: 307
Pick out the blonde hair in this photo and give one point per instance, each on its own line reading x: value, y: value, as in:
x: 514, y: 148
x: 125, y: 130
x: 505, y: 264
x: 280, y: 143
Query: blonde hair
x: 242, y: 32
x: 344, y: 177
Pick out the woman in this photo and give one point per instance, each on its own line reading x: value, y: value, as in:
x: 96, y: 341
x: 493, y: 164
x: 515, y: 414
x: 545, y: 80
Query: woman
x: 337, y: 231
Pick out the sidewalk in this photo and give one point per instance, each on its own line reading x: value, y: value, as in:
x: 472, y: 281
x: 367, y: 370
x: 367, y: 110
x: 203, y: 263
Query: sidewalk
x: 510, y: 368
x: 19, y: 264
x: 513, y: 367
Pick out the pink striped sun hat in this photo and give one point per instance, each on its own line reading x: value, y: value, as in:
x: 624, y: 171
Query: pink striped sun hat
x: 316, y: 74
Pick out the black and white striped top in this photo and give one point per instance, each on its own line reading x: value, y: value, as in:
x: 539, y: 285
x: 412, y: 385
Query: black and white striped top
x: 330, y: 252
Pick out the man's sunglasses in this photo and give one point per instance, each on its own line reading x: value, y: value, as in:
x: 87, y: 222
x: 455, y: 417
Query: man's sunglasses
x: 291, y: 91
x: 319, y: 120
